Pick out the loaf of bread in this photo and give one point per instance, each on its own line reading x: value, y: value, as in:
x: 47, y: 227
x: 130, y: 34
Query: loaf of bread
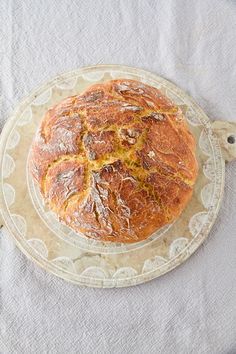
x: 116, y: 162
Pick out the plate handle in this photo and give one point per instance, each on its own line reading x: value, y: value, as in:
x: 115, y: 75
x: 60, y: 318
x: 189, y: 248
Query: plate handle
x: 226, y: 133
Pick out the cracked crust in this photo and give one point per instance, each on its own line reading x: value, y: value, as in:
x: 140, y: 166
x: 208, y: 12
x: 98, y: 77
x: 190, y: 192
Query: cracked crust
x: 116, y: 162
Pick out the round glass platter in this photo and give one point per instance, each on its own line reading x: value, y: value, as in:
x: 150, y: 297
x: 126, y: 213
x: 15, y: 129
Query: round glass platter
x: 71, y: 256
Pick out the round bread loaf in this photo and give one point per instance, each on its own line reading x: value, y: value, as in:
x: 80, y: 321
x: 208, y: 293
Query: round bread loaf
x: 116, y: 162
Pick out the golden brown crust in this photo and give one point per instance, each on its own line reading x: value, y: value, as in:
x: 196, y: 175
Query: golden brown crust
x: 116, y: 162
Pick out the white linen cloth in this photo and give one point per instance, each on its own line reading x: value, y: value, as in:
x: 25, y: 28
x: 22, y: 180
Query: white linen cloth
x: 193, y: 308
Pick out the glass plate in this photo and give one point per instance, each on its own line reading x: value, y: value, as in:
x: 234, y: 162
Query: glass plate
x: 71, y: 256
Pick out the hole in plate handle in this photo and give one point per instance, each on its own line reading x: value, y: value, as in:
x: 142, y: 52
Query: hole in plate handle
x: 231, y: 139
